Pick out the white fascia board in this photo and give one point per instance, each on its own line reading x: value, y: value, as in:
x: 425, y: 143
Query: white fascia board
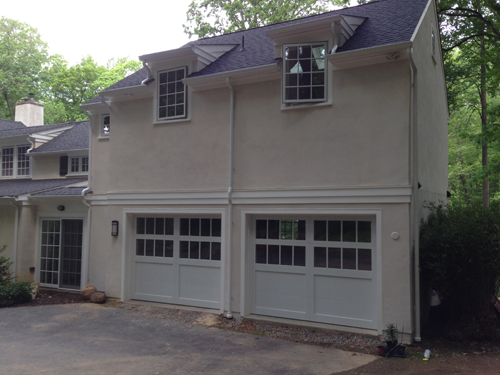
x: 240, y: 76
x: 368, y: 56
x: 424, y: 13
x: 80, y: 152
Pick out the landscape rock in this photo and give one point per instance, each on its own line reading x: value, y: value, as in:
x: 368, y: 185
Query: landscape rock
x: 88, y: 291
x: 98, y: 297
x: 34, y: 290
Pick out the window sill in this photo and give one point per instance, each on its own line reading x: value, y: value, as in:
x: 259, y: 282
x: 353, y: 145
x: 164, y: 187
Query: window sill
x: 83, y: 174
x: 101, y: 138
x: 305, y: 105
x: 166, y: 122
x: 15, y: 177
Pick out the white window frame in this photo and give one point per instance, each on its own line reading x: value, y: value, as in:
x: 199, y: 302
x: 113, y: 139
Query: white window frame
x: 79, y: 165
x: 163, y: 103
x: 102, y: 124
x: 284, y: 76
x: 15, y: 162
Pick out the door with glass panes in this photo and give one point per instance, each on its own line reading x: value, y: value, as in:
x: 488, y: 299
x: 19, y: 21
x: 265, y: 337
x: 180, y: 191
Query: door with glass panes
x: 61, y: 253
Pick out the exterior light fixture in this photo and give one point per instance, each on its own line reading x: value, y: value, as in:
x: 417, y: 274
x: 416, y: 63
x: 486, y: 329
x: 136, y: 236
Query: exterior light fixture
x: 60, y: 208
x: 114, y: 228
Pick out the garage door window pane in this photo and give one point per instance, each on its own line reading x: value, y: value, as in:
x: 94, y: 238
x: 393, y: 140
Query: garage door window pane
x: 364, y: 259
x: 169, y: 226
x: 139, y: 247
x: 215, y: 250
x: 299, y: 256
x: 273, y: 229
x: 141, y: 225
x: 205, y: 227
x: 205, y: 251
x: 194, y: 250
x: 150, y: 225
x: 334, y: 260
x: 184, y: 249
x: 334, y: 230
x: 364, y: 231
x: 349, y: 231
x: 320, y: 257
x: 261, y: 254
x: 169, y: 249
x: 216, y: 227
x: 319, y: 230
x: 184, y: 227
x: 273, y: 254
x: 300, y: 230
x: 150, y: 248
x: 286, y: 256
x: 159, y: 248
x: 349, y: 259
x: 261, y: 229
x: 286, y: 229
x: 194, y: 230
x: 160, y: 226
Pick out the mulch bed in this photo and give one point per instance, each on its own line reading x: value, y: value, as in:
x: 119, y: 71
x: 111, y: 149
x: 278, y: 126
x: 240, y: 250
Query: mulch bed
x: 54, y: 297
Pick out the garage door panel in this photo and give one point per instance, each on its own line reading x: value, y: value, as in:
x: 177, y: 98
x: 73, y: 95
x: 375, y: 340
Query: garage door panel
x: 199, y: 283
x: 342, y: 288
x: 281, y: 291
x: 154, y: 279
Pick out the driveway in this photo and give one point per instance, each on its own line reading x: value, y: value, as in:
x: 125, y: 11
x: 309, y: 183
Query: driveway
x: 91, y: 339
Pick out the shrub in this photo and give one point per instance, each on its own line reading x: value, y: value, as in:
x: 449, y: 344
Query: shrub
x: 460, y: 259
x: 18, y: 292
x: 5, y: 263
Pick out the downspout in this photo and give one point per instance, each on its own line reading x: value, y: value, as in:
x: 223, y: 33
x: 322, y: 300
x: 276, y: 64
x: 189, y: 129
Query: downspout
x: 415, y: 212
x: 149, y: 78
x: 88, y: 189
x: 230, y: 198
x: 16, y: 230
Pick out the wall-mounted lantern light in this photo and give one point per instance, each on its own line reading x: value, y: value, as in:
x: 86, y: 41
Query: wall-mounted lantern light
x: 114, y: 228
x: 61, y: 207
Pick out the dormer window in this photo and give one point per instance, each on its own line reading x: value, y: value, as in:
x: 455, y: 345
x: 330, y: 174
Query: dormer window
x: 15, y: 161
x: 304, y: 73
x: 79, y: 164
x: 105, y: 125
x: 171, y: 94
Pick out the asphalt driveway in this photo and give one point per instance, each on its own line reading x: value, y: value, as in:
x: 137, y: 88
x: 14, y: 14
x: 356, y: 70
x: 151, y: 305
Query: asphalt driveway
x: 91, y: 339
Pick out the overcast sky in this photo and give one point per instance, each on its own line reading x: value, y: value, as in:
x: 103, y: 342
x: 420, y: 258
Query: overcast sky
x: 103, y: 28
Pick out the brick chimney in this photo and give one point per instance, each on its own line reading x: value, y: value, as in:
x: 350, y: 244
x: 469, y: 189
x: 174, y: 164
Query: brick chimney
x: 29, y: 112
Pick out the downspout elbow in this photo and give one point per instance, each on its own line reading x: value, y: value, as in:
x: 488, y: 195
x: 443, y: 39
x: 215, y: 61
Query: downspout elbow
x: 149, y: 78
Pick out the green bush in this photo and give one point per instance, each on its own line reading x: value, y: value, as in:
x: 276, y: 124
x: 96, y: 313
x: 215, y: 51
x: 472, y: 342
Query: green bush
x: 5, y: 263
x: 460, y: 259
x: 18, y: 292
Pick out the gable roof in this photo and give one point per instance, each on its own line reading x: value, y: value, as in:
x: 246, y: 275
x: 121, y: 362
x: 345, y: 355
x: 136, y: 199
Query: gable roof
x: 9, y: 124
x: 76, y: 138
x: 386, y: 22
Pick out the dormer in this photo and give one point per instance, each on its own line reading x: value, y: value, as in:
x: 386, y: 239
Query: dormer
x: 336, y: 30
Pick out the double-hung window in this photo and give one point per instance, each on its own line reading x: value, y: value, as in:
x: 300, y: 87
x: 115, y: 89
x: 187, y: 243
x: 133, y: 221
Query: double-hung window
x: 172, y: 94
x: 79, y: 164
x: 105, y: 125
x: 15, y: 161
x: 304, y: 73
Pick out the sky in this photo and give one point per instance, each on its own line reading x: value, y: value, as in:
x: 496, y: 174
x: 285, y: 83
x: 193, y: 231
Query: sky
x: 103, y: 29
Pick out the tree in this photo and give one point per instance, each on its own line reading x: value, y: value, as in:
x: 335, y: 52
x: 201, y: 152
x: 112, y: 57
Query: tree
x: 22, y: 56
x: 69, y: 87
x: 207, y: 18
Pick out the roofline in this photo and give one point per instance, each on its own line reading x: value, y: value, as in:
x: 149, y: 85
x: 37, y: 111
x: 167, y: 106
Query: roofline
x: 422, y: 16
x: 56, y: 152
x: 170, y: 54
x: 231, y: 73
x: 339, y: 57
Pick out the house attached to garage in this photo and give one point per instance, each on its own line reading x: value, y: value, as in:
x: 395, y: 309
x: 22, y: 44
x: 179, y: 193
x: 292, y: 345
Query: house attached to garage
x: 279, y: 171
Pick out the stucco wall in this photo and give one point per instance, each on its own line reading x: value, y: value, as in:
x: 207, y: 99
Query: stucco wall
x: 45, y: 167
x: 7, y: 220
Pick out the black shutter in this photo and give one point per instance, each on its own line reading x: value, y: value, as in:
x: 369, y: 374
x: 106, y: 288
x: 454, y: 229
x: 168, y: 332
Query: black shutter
x: 63, y: 166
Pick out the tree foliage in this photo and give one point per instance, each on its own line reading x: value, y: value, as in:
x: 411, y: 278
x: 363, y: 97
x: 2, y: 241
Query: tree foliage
x: 207, y: 18
x: 22, y: 56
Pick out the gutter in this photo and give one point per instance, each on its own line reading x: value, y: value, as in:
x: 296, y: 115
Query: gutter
x: 414, y: 211
x: 230, y: 197
x: 16, y: 230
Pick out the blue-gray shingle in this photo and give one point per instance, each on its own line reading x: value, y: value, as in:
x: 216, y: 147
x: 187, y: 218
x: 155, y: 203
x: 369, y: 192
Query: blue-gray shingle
x: 76, y: 138
x: 13, y: 188
x: 65, y: 191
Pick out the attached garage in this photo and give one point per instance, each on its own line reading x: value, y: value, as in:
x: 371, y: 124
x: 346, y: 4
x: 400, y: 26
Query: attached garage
x: 177, y: 260
x: 319, y: 269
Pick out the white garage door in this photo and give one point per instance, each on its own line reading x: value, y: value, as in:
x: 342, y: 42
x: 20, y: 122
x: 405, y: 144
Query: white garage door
x: 315, y: 269
x: 177, y: 260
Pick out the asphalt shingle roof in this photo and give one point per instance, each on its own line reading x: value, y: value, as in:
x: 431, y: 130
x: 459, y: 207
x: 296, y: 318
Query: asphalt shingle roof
x: 76, y: 138
x: 15, y: 129
x: 387, y: 22
x: 13, y: 188
x: 65, y: 191
x: 9, y: 124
